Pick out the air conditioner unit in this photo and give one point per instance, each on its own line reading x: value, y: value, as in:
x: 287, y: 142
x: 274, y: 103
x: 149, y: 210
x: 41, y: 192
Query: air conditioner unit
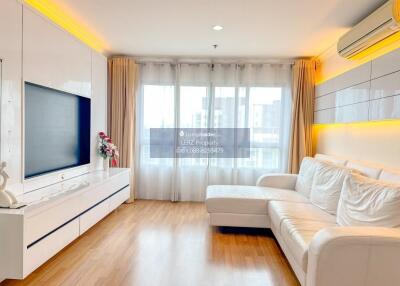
x: 382, y: 23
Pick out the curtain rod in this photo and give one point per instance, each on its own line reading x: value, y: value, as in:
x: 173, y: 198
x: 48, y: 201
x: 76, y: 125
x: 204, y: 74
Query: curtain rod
x: 142, y: 60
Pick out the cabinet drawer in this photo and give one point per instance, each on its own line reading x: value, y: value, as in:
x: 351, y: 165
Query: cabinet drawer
x: 42, y: 223
x: 40, y: 252
x: 91, y: 217
x: 120, y: 197
x: 102, y: 192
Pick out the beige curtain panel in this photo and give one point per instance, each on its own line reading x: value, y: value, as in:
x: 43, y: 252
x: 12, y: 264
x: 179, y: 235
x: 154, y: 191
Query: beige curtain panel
x: 303, y: 92
x: 121, y: 111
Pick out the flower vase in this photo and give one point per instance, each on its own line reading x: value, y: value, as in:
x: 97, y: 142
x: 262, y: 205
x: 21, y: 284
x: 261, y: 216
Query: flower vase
x: 106, y: 164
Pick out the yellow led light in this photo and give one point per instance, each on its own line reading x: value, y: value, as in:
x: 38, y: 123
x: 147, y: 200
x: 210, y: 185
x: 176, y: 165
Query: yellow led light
x: 393, y: 122
x: 380, y: 48
x: 67, y: 22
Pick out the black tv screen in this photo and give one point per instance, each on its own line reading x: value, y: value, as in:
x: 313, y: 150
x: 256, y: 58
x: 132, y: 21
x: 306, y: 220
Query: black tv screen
x: 57, y: 130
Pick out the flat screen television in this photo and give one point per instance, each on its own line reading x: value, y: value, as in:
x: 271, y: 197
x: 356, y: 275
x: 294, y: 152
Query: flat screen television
x: 57, y: 130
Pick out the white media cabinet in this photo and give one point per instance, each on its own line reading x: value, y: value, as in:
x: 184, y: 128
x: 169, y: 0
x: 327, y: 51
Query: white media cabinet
x: 55, y: 216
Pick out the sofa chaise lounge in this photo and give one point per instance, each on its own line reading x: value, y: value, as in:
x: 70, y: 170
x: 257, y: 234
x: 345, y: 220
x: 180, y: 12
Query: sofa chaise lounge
x: 320, y: 251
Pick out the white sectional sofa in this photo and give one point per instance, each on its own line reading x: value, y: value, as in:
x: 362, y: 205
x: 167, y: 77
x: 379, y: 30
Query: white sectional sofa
x: 320, y: 251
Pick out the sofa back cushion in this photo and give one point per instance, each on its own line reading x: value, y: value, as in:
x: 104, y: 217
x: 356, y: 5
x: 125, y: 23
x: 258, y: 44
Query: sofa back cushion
x: 327, y: 185
x: 391, y: 177
x: 306, y: 175
x: 369, y: 202
x: 369, y: 171
x: 331, y: 159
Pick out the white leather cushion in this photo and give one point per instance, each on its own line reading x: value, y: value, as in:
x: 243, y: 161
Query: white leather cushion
x: 327, y: 185
x: 306, y: 176
x: 369, y: 202
x: 331, y: 159
x: 298, y: 233
x: 246, y: 199
x: 280, y: 211
x: 390, y: 177
x: 365, y: 170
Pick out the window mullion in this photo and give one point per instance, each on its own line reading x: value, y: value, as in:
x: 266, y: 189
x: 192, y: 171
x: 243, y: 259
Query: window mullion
x: 235, y: 123
x: 282, y: 128
x: 175, y: 174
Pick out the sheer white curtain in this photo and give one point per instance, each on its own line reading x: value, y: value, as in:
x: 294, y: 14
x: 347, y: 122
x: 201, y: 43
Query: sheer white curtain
x: 187, y: 95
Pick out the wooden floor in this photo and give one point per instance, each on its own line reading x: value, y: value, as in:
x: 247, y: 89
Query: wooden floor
x: 151, y: 243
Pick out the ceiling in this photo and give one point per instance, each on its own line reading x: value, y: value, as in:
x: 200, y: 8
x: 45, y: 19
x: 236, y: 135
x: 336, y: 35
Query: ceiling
x: 252, y: 28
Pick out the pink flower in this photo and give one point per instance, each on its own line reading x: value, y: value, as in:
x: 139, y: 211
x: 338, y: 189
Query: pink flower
x: 107, y: 149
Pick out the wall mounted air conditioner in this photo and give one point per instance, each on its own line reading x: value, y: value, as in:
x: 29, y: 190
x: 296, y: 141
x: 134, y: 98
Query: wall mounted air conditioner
x: 382, y: 23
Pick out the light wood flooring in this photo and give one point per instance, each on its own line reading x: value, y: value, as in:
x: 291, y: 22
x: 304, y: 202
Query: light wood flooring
x: 153, y: 243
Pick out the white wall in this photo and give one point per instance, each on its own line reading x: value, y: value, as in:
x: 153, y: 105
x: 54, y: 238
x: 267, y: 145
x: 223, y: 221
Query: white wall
x: 36, y: 50
x: 99, y: 105
x: 371, y: 142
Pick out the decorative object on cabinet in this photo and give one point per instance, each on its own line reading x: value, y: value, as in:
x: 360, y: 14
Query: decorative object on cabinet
x: 7, y: 199
x: 107, y: 150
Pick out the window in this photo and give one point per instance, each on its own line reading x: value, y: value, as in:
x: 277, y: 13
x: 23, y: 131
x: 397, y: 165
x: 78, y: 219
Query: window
x: 193, y: 107
x: 211, y: 96
x: 193, y: 113
x: 262, y: 113
x: 258, y: 108
x: 158, y: 112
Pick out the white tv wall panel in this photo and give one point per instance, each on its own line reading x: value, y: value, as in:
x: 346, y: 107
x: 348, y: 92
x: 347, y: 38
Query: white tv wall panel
x: 324, y: 116
x: 385, y: 86
x: 99, y: 105
x: 359, y: 97
x: 386, y: 64
x: 344, y: 114
x: 385, y: 108
x: 325, y: 88
x: 353, y: 77
x: 325, y: 101
x: 355, y: 94
x: 54, y: 58
x: 346, y: 105
x: 352, y: 113
x: 11, y: 100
